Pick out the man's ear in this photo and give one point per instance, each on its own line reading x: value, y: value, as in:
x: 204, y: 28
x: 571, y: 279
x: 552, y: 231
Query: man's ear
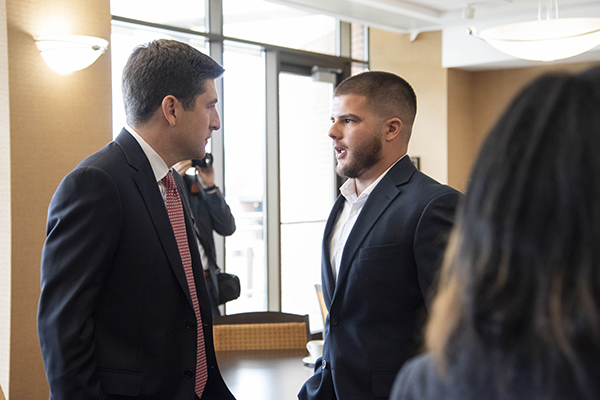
x: 169, y: 108
x: 393, y: 129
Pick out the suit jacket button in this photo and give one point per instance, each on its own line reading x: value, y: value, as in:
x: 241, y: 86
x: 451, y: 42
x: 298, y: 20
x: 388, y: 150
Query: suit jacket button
x: 324, y: 364
x: 334, y: 321
x: 188, y: 373
x: 190, y: 325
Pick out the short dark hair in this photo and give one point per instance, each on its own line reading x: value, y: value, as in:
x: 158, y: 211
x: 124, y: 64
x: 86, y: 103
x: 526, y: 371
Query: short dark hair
x: 388, y: 95
x: 160, y: 68
x: 519, y: 296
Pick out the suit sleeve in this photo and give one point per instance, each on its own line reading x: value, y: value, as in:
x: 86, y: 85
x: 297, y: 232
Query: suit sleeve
x: 431, y: 237
x: 84, y: 223
x: 220, y: 213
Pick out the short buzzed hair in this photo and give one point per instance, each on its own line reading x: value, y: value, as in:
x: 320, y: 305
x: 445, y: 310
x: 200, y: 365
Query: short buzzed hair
x: 388, y: 95
x: 160, y: 68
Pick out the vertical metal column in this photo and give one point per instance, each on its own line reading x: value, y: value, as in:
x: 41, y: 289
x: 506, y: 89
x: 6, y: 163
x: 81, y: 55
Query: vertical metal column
x: 272, y: 215
x: 214, y: 16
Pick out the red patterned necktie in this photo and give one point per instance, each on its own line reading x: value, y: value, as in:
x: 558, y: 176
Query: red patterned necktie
x: 175, y: 210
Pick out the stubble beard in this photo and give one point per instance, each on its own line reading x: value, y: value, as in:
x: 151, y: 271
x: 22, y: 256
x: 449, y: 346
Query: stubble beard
x: 364, y: 158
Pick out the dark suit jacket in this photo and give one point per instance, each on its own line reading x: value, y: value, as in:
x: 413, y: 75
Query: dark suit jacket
x: 378, y: 304
x: 421, y: 379
x: 211, y: 213
x: 115, y: 316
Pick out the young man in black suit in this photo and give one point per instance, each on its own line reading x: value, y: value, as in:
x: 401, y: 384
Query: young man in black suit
x: 382, y: 245
x: 124, y: 309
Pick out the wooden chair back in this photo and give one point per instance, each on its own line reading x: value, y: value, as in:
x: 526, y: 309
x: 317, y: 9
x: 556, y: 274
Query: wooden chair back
x: 261, y: 331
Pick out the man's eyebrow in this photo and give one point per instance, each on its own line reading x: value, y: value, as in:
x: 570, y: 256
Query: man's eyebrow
x: 347, y: 116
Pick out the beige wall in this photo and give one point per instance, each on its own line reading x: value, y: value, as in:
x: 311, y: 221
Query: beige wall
x: 420, y: 63
x: 462, y: 146
x: 493, y: 90
x: 476, y: 100
x: 55, y: 121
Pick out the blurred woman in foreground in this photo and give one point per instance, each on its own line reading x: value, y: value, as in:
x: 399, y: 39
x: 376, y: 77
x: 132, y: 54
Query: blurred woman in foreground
x: 517, y: 314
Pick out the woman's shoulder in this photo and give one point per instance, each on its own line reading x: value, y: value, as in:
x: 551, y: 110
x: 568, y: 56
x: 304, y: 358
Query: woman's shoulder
x: 420, y: 379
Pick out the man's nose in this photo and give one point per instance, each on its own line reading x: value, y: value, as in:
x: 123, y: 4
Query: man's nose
x: 215, y: 123
x: 334, y: 132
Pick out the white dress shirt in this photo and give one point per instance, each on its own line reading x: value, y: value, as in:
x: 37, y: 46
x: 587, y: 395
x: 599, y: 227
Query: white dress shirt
x: 347, y: 218
x: 160, y: 169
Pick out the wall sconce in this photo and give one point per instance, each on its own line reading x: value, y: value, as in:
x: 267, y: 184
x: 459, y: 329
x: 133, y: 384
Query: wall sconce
x: 68, y: 53
x: 546, y: 39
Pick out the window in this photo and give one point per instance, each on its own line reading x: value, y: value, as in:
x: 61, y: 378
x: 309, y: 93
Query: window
x: 267, y: 22
x: 244, y: 121
x: 307, y: 189
x: 189, y: 14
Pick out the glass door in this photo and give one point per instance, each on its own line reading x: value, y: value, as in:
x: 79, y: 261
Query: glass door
x: 307, y: 188
x: 244, y: 141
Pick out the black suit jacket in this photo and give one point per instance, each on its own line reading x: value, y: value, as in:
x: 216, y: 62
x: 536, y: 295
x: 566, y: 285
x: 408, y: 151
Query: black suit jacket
x: 210, y: 213
x: 378, y: 304
x: 115, y: 316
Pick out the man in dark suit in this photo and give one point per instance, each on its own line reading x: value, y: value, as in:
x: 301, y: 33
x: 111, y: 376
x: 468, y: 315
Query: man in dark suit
x: 124, y: 311
x: 382, y: 245
x: 211, y: 213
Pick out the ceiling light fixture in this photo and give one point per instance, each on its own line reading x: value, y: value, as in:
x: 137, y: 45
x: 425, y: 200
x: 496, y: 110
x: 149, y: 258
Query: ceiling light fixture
x: 546, y: 39
x: 68, y: 53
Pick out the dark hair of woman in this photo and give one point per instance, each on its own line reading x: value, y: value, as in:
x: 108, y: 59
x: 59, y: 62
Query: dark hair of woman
x: 518, y: 304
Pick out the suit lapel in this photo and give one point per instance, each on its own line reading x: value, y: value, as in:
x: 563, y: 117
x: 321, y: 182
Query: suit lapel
x: 379, y: 200
x: 144, y: 179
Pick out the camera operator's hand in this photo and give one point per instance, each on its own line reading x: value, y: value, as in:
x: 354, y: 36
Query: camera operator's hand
x: 206, y: 176
x: 182, y: 166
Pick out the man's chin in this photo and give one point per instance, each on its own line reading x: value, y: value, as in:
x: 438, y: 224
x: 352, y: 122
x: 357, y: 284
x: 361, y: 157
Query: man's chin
x: 199, y: 155
x: 344, y: 172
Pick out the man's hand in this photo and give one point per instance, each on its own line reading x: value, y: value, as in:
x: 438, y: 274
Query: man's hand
x: 206, y: 176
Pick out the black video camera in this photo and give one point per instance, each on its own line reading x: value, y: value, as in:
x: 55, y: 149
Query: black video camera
x: 205, y: 162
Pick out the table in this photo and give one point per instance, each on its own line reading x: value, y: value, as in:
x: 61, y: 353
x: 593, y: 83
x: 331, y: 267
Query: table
x: 264, y: 374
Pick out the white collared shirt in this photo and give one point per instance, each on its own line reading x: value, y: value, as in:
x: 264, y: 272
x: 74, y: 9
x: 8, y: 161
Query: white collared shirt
x: 347, y: 218
x: 160, y: 169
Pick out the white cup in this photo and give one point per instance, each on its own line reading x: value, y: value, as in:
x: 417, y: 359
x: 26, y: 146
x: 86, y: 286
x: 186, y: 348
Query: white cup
x: 315, y: 348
